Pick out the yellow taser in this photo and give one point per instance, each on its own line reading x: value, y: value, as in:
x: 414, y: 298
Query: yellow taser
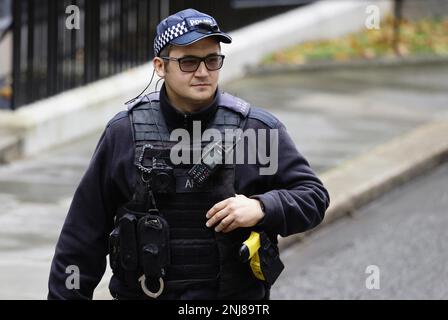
x: 249, y: 251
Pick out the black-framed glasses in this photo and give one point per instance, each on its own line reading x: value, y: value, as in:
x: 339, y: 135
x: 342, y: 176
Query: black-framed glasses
x: 191, y: 63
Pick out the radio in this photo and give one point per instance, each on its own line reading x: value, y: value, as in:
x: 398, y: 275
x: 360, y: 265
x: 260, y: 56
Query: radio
x: 207, y: 165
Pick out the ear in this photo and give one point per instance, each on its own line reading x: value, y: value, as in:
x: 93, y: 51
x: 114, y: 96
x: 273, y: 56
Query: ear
x: 159, y: 66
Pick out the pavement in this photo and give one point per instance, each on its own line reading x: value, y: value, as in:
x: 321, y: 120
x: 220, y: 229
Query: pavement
x: 9, y: 146
x: 365, y: 132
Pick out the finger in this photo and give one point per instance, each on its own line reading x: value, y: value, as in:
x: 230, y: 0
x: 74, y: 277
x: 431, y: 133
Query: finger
x: 225, y: 223
x: 217, y: 207
x: 217, y: 217
x: 231, y: 227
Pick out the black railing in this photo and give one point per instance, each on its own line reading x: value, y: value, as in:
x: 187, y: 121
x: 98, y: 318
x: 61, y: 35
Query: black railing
x: 50, y: 57
x: 113, y: 35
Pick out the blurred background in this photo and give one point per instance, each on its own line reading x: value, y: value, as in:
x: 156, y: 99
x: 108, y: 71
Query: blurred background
x: 361, y: 85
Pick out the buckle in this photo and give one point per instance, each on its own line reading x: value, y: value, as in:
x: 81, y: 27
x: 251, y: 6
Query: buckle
x: 148, y: 292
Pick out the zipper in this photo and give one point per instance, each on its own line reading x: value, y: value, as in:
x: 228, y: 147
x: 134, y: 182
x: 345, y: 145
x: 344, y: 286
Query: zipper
x: 185, y: 121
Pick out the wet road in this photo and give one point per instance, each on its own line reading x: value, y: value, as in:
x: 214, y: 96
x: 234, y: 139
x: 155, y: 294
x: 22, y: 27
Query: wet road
x: 332, y: 116
x: 403, y: 233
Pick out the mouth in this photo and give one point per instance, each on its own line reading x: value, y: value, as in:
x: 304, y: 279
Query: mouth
x: 201, y: 85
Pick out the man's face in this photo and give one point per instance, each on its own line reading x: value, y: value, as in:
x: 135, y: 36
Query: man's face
x: 190, y: 91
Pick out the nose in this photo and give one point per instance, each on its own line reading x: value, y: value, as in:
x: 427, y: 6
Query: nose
x: 202, y: 70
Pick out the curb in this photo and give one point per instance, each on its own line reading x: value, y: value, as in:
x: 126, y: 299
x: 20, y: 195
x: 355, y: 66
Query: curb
x: 9, y: 146
x: 385, y: 62
x: 387, y: 166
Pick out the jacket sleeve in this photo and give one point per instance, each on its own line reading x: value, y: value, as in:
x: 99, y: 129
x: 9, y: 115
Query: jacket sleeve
x: 83, y: 241
x: 297, y: 200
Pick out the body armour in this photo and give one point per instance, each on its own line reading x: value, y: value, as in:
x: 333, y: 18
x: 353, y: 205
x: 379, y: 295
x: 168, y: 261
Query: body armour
x: 192, y: 253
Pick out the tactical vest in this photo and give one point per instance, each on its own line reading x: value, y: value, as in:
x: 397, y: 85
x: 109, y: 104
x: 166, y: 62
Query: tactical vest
x: 197, y: 254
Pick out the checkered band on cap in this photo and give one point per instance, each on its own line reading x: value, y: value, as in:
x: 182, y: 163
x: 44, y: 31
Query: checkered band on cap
x: 168, y: 35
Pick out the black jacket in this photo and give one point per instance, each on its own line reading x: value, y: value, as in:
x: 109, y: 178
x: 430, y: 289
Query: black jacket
x: 294, y: 198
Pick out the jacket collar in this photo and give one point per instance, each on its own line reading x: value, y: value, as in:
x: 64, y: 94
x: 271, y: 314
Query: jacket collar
x: 175, y: 118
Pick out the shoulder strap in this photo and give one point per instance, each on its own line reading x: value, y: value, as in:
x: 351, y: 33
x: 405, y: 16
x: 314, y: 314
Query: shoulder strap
x: 233, y: 103
x: 231, y: 114
x: 153, y: 96
x: 148, y: 125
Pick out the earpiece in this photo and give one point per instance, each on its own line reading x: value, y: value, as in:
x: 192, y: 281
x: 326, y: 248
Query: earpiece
x: 150, y: 81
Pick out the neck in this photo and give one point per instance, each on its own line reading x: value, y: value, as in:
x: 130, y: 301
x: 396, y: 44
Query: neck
x: 175, y: 118
x: 187, y: 106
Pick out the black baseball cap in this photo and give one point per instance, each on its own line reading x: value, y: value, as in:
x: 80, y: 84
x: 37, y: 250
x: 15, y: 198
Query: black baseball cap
x: 186, y: 27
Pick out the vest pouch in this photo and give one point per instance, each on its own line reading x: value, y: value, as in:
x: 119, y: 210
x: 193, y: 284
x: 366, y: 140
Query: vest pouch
x: 114, y: 249
x: 270, y: 262
x: 233, y: 274
x: 154, y: 247
x: 128, y: 242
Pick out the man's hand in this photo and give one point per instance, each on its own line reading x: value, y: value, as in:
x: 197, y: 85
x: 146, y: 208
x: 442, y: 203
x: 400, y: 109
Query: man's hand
x: 235, y: 212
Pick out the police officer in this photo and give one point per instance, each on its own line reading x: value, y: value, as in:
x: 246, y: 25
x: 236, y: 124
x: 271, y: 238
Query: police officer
x: 172, y: 230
